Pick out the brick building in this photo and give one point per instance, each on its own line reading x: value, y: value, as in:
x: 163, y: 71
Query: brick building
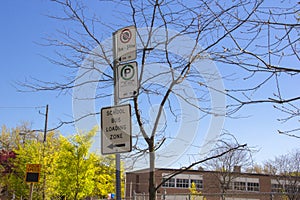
x: 236, y: 185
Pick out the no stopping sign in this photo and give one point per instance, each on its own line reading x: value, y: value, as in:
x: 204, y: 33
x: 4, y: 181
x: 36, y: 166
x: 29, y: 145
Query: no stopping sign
x: 125, y: 35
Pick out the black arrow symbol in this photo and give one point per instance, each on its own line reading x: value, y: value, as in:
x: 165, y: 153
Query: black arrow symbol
x: 111, y: 146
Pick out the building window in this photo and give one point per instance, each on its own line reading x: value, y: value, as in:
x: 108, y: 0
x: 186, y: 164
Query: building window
x: 198, y: 183
x: 169, y: 183
x: 245, y: 184
x: 182, y: 183
x: 276, y: 188
x: 252, y: 186
x: 240, y: 186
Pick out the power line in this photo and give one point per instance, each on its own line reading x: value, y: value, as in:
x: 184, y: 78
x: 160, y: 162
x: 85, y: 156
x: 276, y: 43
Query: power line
x: 21, y: 107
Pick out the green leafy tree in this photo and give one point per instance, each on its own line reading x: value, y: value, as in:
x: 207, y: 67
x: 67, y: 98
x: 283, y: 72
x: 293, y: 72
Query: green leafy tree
x: 33, y: 150
x: 75, y: 167
x: 11, y: 180
x: 50, y: 153
x: 30, y: 152
x: 68, y: 169
x: 105, y: 176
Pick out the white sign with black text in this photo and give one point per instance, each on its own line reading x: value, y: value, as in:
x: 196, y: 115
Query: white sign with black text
x: 116, y: 129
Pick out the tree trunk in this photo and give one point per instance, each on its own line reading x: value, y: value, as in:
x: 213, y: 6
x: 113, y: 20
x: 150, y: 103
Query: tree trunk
x: 152, y: 188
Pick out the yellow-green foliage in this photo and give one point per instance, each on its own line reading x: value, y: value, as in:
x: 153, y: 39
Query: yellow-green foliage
x: 195, y: 195
x: 69, y: 169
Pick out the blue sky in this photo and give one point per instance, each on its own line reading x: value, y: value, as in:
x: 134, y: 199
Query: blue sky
x: 24, y: 24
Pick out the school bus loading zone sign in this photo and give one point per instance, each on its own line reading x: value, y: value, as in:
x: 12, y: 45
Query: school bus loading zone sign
x: 116, y: 129
x: 33, y: 173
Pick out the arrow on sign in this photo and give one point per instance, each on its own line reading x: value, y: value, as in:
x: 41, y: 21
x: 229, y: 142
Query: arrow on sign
x: 111, y: 146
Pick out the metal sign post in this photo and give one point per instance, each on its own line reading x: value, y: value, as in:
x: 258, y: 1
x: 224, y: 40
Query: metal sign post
x: 124, y: 49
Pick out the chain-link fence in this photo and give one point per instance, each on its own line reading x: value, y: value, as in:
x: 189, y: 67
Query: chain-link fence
x: 228, y: 196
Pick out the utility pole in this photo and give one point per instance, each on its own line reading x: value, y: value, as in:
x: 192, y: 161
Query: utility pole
x: 44, y: 141
x: 46, y: 124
